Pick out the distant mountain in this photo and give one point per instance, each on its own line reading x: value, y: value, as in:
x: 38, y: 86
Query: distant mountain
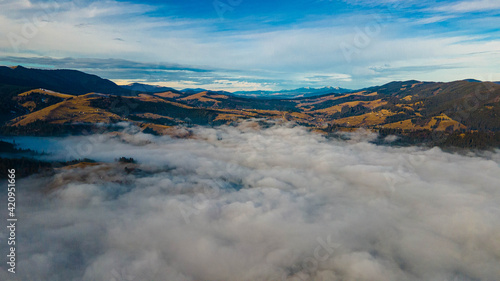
x: 139, y: 87
x: 60, y: 80
x: 295, y: 93
x: 283, y: 94
x: 193, y: 90
x: 474, y: 80
x: 393, y: 87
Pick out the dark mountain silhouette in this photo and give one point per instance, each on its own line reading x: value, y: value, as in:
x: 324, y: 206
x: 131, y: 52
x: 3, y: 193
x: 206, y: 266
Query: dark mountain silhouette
x: 139, y: 87
x: 61, y: 80
x: 193, y: 90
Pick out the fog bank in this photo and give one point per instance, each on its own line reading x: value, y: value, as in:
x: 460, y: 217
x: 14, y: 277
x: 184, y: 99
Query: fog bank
x: 250, y: 203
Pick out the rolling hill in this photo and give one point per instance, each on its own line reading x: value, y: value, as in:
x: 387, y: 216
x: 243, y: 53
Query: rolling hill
x: 410, y: 109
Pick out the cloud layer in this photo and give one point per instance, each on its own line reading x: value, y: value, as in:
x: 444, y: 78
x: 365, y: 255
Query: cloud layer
x: 251, y: 203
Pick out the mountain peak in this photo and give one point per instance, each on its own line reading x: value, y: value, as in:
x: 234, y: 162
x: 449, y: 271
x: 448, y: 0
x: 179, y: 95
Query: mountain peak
x: 18, y: 67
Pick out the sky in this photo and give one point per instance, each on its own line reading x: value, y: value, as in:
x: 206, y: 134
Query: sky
x: 255, y: 44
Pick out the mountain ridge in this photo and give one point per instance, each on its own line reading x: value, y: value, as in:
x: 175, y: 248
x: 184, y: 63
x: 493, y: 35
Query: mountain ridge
x: 141, y: 87
x: 61, y: 80
x: 293, y: 93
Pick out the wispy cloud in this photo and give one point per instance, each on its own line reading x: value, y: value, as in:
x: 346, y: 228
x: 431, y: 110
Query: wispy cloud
x: 92, y: 63
x: 470, y: 6
x: 434, y: 19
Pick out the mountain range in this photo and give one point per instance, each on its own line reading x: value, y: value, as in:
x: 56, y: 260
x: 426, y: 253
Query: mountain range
x: 295, y: 93
x: 284, y: 94
x: 54, y: 102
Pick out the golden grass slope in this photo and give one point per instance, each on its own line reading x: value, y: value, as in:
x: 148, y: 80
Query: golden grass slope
x: 168, y: 95
x: 304, y: 103
x: 201, y: 97
x: 337, y: 108
x: 75, y: 110
x: 443, y: 123
x: 46, y: 92
x: 150, y: 98
x: 368, y: 119
x: 25, y: 100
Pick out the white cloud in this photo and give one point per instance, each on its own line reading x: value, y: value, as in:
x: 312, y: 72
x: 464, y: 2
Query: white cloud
x: 325, y: 78
x: 470, y: 6
x: 259, y: 203
x: 235, y: 85
x: 434, y: 19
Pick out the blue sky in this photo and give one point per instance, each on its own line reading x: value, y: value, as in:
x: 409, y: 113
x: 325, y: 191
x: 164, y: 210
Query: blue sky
x: 255, y: 44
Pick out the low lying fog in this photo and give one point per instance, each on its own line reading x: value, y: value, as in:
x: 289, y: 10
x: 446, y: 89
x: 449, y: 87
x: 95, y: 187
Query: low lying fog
x: 243, y: 203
